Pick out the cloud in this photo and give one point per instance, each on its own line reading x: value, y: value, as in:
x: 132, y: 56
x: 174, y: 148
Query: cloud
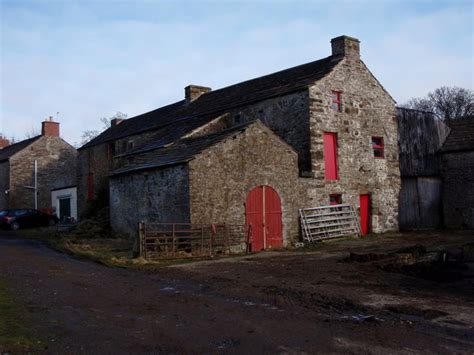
x: 88, y: 62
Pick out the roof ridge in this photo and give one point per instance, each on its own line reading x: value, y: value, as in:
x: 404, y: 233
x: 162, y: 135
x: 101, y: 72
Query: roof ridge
x: 271, y: 85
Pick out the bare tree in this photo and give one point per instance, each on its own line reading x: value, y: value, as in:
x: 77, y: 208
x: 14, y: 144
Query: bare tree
x: 32, y: 132
x: 90, y: 134
x: 447, y: 103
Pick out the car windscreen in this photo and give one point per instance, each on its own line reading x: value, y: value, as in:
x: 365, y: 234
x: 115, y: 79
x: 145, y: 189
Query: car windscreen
x: 3, y: 213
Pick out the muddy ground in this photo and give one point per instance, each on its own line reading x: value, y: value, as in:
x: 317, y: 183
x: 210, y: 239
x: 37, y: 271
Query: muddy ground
x: 407, y: 293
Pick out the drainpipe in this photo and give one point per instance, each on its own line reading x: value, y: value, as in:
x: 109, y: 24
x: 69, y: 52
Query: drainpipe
x: 35, y: 185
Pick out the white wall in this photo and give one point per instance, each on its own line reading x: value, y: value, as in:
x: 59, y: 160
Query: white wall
x: 71, y: 193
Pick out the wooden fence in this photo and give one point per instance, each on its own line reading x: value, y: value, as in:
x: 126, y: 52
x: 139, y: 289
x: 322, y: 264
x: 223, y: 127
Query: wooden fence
x: 184, y: 240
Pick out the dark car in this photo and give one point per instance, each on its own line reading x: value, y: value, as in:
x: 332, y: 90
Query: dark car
x: 25, y: 218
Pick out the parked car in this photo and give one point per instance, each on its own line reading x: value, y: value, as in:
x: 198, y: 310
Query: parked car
x: 25, y: 218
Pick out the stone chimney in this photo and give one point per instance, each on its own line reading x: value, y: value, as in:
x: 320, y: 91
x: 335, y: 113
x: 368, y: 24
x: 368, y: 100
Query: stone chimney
x: 116, y: 121
x: 49, y: 127
x: 192, y: 92
x: 4, y: 142
x: 346, y: 46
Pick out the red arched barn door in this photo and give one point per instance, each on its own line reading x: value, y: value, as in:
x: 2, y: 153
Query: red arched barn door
x: 263, y: 213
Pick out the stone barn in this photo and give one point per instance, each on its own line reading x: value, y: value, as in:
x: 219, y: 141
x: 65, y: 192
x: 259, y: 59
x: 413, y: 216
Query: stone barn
x: 209, y: 178
x: 315, y: 134
x: 458, y: 175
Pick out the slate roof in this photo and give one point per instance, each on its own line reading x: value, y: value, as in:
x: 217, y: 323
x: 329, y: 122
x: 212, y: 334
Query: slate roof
x: 461, y: 137
x: 179, y: 152
x: 7, y: 152
x: 214, y: 102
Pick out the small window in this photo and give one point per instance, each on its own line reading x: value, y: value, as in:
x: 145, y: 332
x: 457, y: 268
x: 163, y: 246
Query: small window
x: 131, y: 144
x: 237, y: 119
x: 377, y: 146
x: 337, y: 101
x: 335, y: 199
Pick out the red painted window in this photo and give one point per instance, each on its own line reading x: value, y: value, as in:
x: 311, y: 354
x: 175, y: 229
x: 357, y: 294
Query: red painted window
x: 90, y: 187
x: 337, y: 101
x: 377, y: 146
x: 335, y: 199
x: 330, y: 155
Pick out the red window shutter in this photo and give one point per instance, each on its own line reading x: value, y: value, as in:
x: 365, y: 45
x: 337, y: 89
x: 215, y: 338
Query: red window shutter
x: 330, y: 155
x: 90, y: 187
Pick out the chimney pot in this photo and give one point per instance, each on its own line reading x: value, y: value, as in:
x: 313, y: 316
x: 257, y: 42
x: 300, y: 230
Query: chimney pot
x: 346, y: 46
x: 50, y: 128
x: 192, y: 92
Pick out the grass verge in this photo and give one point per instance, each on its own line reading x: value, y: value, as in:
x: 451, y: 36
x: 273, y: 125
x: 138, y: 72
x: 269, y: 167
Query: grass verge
x: 16, y: 333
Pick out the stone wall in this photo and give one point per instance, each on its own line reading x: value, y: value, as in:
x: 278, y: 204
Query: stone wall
x: 100, y: 160
x: 96, y: 160
x: 221, y: 177
x: 159, y: 195
x: 56, y: 168
x: 4, y: 184
x: 288, y: 117
x: 458, y: 189
x: 368, y: 110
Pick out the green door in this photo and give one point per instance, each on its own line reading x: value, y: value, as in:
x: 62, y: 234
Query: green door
x: 64, y: 208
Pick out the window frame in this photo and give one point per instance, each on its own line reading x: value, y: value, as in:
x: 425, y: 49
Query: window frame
x: 337, y: 197
x: 336, y: 102
x: 378, y: 147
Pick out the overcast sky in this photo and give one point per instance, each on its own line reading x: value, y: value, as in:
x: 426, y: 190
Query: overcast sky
x: 90, y: 59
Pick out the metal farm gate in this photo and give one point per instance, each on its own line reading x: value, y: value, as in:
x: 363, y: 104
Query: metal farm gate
x: 184, y: 240
x: 327, y: 222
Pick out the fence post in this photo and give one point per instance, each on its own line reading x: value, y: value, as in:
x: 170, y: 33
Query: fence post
x: 141, y: 239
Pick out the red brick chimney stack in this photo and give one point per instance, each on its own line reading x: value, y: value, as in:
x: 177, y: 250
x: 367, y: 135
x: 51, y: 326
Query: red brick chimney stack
x: 50, y: 128
x: 4, y: 142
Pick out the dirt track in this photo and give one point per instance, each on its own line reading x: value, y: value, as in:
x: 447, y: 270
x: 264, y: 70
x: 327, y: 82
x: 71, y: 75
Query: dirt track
x: 271, y: 302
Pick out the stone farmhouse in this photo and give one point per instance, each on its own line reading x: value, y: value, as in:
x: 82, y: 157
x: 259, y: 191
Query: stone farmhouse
x: 55, y: 172
x: 315, y: 134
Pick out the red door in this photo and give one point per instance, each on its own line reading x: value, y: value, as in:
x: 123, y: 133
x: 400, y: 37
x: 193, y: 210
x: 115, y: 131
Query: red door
x: 263, y: 213
x: 365, y: 214
x: 330, y: 155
